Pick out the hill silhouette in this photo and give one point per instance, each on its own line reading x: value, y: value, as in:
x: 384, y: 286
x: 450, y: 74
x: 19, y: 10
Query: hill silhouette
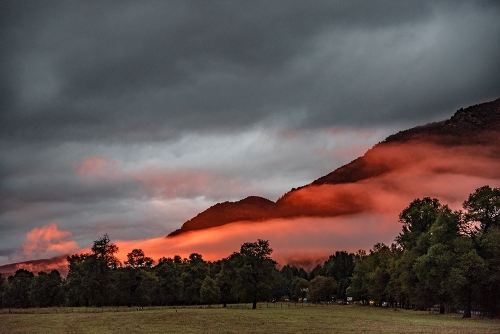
x: 471, y: 132
x: 251, y: 208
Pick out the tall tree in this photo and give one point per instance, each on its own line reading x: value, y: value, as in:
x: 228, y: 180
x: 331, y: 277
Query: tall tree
x: 283, y: 286
x: 75, y: 291
x: 414, y: 240
x: 194, y: 272
x: 417, y: 219
x: 19, y: 289
x: 90, y: 279
x: 225, y: 279
x: 104, y: 250
x: 170, y: 285
x: 256, y: 271
x: 3, y: 288
x: 482, y: 225
x: 340, y: 266
x: 433, y: 268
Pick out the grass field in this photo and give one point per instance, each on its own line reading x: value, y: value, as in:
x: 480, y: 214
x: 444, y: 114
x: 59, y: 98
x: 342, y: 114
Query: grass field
x: 268, y: 318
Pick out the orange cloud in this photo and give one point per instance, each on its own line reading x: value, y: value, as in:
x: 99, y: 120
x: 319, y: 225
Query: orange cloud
x: 97, y: 166
x: 48, y: 241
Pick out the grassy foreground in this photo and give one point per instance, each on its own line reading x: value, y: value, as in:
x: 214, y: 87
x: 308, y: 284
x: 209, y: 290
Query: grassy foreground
x: 272, y: 318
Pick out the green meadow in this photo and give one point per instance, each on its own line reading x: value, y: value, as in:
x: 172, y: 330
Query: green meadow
x: 267, y: 318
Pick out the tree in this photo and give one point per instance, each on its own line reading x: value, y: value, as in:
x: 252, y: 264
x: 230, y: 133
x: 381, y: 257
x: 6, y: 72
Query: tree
x: 104, y: 250
x: 209, y: 291
x: 466, y: 275
x: 414, y: 241
x: 135, y: 286
x: 3, y: 288
x: 225, y: 279
x: 90, y: 279
x: 18, y: 290
x: 318, y: 270
x: 74, y: 289
x: 490, y: 286
x: 300, y: 287
x: 340, y: 266
x: 47, y: 290
x: 433, y: 268
x: 300, y: 272
x: 283, y: 286
x: 137, y: 259
x: 194, y: 272
x: 322, y: 289
x: 417, y: 219
x: 483, y: 207
x: 256, y: 271
x: 481, y: 222
x: 170, y: 285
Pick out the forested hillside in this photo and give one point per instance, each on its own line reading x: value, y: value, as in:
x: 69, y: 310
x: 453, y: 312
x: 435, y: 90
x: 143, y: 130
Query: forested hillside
x: 444, y: 258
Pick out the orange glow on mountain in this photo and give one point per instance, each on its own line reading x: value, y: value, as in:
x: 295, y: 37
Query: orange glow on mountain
x: 293, y: 240
x: 384, y: 181
x: 401, y: 174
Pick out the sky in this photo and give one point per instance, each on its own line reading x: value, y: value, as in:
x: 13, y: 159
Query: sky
x: 129, y: 118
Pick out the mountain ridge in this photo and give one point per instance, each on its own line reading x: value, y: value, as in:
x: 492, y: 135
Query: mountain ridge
x: 478, y: 124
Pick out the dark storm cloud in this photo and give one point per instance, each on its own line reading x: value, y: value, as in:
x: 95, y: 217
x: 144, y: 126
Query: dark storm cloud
x: 129, y: 70
x: 197, y: 91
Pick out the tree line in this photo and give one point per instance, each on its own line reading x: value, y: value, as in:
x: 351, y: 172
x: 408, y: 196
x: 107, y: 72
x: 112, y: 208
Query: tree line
x: 444, y: 258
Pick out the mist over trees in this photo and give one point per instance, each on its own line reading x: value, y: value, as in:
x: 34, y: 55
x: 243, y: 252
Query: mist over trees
x: 441, y: 258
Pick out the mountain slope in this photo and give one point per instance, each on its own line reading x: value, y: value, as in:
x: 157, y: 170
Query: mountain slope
x: 251, y: 208
x: 58, y: 262
x: 472, y: 133
x: 477, y: 124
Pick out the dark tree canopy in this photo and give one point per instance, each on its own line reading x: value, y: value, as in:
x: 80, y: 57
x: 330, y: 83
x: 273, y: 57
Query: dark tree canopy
x: 19, y: 289
x: 417, y: 218
x: 104, y: 250
x: 209, y: 291
x: 483, y: 207
x: 137, y: 259
x: 47, y: 290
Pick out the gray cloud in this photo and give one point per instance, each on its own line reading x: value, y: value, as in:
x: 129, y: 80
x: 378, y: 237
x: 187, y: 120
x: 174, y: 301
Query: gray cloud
x: 206, y: 88
x: 144, y: 71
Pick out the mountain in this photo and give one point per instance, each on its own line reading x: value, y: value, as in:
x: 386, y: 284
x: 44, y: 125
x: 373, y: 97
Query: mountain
x: 58, y: 262
x: 478, y: 124
x: 471, y: 134
x: 252, y: 208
